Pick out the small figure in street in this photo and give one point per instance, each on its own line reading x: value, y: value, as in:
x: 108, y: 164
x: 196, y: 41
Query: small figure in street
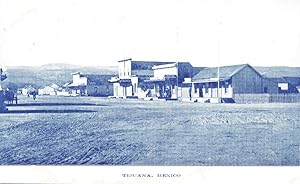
x: 34, y: 95
x: 148, y: 94
x: 190, y: 93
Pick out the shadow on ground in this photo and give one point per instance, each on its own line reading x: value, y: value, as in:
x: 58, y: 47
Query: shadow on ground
x: 56, y: 104
x: 45, y: 111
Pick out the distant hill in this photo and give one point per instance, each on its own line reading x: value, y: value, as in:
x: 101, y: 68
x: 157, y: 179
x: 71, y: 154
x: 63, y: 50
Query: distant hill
x: 59, y: 73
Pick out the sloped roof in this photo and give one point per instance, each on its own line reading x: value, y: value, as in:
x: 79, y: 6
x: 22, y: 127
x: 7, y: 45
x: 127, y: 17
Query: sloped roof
x: 53, y: 85
x: 28, y: 87
x: 225, y: 72
x: 48, y: 87
x: 277, y: 79
x: 196, y: 70
x: 142, y: 72
x: 66, y: 84
x: 169, y: 65
x: 97, y: 79
x: 146, y: 65
x: 172, y: 64
x: 293, y: 80
x: 75, y: 85
x: 278, y: 71
x: 144, y: 68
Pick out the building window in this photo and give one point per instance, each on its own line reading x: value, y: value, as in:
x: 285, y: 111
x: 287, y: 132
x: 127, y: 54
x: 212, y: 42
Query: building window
x: 195, y: 89
x: 265, y: 90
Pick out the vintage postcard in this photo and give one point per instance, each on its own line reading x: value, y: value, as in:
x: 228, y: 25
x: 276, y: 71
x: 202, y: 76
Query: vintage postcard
x: 155, y: 92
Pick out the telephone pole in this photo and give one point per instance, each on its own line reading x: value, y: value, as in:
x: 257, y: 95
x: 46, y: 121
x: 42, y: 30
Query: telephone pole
x: 2, y: 97
x: 219, y: 96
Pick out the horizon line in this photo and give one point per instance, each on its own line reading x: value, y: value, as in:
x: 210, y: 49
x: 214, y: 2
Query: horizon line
x: 61, y: 63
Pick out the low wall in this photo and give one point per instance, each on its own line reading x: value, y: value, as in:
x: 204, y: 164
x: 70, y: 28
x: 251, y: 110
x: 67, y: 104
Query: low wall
x: 267, y: 98
x: 285, y: 98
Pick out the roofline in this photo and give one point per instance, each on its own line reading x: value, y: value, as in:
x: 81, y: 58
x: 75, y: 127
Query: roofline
x: 237, y: 71
x: 130, y: 59
x: 234, y: 73
x: 245, y: 65
x: 75, y: 73
x: 253, y: 70
x: 168, y: 65
x: 87, y: 75
x: 209, y: 80
x: 167, y: 62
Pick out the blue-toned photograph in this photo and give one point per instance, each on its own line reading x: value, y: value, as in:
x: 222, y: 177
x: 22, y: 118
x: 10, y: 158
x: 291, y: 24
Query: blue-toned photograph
x: 150, y: 83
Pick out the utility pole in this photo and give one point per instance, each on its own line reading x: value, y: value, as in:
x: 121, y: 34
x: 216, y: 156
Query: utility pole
x: 177, y: 63
x: 219, y: 59
x: 218, y: 96
x: 2, y: 97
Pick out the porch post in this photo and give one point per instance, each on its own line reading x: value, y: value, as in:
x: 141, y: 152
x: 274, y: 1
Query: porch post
x: 154, y: 88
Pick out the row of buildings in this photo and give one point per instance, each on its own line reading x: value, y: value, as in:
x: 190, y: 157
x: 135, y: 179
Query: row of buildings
x: 177, y: 81
x: 180, y: 80
x: 81, y: 85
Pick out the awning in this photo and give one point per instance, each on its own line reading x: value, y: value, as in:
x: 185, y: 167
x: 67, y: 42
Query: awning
x: 76, y: 85
x: 166, y: 78
x: 114, y: 79
x: 154, y: 80
x: 125, y: 81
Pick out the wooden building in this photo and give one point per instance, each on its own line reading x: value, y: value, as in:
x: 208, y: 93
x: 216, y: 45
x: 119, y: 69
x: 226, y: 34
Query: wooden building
x: 168, y: 79
x: 98, y: 85
x: 280, y: 79
x: 235, y: 79
x: 132, y: 74
x: 90, y: 85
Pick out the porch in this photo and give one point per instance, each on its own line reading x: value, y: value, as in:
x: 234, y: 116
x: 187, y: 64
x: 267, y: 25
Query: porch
x: 166, y: 88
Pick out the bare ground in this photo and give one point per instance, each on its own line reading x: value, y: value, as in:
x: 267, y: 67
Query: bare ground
x: 99, y: 131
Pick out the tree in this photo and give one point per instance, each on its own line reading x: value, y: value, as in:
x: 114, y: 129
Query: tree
x: 11, y: 86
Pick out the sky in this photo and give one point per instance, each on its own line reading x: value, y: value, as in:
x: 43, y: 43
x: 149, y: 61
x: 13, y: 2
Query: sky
x: 102, y: 32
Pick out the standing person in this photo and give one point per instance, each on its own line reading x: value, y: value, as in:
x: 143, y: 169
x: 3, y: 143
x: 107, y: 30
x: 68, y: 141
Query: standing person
x: 190, y: 93
x: 2, y: 104
x: 34, y: 95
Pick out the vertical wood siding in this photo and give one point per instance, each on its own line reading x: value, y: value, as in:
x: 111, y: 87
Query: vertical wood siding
x: 246, y: 81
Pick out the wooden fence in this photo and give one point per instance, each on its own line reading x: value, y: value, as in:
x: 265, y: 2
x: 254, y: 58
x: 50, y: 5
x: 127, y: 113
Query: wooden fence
x: 268, y: 98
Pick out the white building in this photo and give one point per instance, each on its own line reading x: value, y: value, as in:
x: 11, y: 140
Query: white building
x: 132, y: 74
x: 49, y: 90
x: 78, y: 85
x: 27, y: 90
